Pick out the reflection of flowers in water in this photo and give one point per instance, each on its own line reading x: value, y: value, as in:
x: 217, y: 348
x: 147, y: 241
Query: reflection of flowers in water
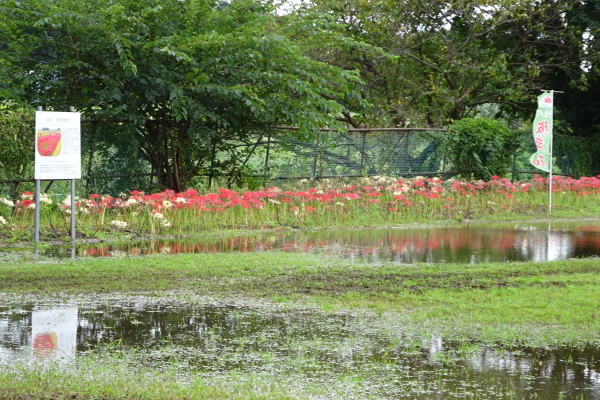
x: 45, y: 344
x: 400, y: 245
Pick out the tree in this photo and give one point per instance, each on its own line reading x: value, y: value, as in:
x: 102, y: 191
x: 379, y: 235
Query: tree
x: 16, y: 147
x: 179, y: 78
x: 578, y: 104
x: 439, y: 60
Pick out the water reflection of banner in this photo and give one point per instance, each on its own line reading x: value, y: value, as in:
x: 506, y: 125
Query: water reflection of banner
x: 542, y: 133
x: 54, y: 333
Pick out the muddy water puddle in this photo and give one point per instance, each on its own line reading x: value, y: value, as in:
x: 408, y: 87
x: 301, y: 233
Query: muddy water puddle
x: 467, y: 244
x: 361, y: 356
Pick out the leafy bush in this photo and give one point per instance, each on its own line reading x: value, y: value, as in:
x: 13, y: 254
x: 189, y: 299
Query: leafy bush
x: 16, y: 148
x: 480, y: 147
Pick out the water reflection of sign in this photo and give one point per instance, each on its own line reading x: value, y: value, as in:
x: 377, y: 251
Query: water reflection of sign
x: 57, y: 145
x: 54, y: 333
x: 45, y: 344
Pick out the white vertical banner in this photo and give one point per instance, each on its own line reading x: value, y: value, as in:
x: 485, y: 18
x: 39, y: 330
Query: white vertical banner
x: 542, y: 132
x: 542, y: 136
x: 57, y: 145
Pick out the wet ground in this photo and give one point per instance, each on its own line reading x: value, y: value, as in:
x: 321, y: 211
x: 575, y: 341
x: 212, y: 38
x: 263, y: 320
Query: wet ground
x: 354, y: 354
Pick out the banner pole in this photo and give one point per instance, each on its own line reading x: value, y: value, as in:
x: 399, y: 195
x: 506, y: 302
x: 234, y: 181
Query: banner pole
x: 550, y: 161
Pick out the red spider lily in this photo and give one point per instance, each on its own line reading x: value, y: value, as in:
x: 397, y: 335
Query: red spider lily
x: 26, y: 203
x: 227, y: 193
x: 190, y: 193
x: 395, y: 197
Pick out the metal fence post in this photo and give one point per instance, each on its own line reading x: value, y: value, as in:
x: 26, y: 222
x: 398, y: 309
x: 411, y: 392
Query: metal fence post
x: 267, y: 157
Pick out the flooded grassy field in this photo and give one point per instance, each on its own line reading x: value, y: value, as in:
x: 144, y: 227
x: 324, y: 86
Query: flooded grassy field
x: 478, y: 312
x: 303, y: 352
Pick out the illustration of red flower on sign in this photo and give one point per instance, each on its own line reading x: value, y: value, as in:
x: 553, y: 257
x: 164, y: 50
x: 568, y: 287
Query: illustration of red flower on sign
x: 49, y: 142
x: 45, y: 344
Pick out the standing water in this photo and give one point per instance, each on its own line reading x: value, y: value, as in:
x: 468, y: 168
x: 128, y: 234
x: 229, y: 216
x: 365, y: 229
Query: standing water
x: 467, y: 244
x: 299, y: 347
x: 342, y: 355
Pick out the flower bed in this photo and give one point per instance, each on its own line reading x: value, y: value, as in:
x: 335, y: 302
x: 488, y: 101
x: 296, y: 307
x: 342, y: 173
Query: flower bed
x: 329, y: 203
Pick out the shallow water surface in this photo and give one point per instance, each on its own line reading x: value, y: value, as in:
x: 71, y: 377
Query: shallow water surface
x: 357, y: 355
x: 519, y: 241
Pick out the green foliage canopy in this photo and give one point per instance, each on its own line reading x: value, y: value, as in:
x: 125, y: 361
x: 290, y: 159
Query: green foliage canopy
x: 16, y: 146
x: 178, y: 77
x: 439, y: 60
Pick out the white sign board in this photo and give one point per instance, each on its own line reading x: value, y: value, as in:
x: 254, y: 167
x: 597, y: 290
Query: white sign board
x: 57, y: 145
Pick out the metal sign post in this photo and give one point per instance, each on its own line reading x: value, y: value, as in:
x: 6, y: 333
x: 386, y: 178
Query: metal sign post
x: 73, y: 213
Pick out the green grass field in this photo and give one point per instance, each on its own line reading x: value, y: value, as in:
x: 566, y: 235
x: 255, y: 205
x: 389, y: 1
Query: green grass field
x: 515, y: 304
x: 546, y: 305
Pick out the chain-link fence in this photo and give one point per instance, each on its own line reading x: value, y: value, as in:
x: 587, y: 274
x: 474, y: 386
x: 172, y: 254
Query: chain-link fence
x: 282, y: 156
x: 391, y: 152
